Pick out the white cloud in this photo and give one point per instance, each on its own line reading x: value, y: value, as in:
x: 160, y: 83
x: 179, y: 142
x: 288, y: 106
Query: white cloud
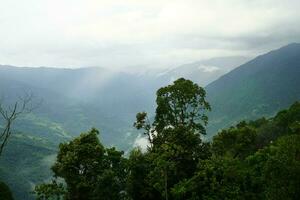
x: 206, y: 68
x: 140, y: 32
x: 141, y: 142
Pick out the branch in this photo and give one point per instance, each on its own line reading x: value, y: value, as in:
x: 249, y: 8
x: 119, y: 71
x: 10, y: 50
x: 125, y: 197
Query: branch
x: 9, y: 114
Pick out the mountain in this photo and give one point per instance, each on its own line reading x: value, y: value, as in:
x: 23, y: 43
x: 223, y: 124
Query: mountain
x: 73, y: 101
x: 25, y: 162
x: 205, y: 71
x: 260, y: 87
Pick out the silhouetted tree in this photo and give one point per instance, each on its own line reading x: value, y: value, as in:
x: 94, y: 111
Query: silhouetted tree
x: 10, y: 113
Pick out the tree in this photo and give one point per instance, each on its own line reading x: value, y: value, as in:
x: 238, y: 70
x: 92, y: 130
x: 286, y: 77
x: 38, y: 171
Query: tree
x: 182, y: 103
x: 289, y: 120
x: 239, y: 141
x: 281, y: 171
x: 242, y: 168
x: 137, y: 185
x: 175, y: 135
x: 78, y: 163
x: 142, y: 122
x: 215, y: 178
x: 110, y: 184
x: 50, y: 191
x: 176, y: 153
x: 89, y: 171
x: 10, y: 113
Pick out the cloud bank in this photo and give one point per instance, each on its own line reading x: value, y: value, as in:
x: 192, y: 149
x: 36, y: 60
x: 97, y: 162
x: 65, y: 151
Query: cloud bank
x: 141, y: 33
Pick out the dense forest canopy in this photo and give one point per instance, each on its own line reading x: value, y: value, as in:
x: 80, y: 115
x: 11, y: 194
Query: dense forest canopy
x: 258, y: 159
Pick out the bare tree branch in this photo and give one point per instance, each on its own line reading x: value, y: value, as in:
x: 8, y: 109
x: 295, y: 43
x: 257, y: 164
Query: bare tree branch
x: 10, y: 113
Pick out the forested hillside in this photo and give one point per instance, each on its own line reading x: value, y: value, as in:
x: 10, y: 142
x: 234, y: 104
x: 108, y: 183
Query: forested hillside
x: 87, y: 96
x: 25, y: 162
x: 260, y: 87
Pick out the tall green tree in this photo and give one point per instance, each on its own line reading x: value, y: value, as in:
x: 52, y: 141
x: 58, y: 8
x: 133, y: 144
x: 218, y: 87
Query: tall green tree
x: 78, y: 163
x: 139, y: 167
x: 89, y: 171
x: 182, y: 103
x: 175, y: 135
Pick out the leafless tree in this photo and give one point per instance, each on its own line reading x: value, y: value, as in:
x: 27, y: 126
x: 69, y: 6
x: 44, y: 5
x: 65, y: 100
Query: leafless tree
x: 9, y: 113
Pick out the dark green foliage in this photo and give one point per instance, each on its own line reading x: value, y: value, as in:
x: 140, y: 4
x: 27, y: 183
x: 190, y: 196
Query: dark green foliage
x: 137, y: 184
x: 182, y: 103
x: 78, y: 163
x: 89, y: 170
x: 54, y: 190
x: 278, y: 168
x: 174, y: 158
x: 175, y: 139
x: 216, y: 178
x: 5, y: 192
x: 253, y: 160
x: 111, y: 181
x: 237, y: 141
x: 242, y: 167
x: 289, y: 120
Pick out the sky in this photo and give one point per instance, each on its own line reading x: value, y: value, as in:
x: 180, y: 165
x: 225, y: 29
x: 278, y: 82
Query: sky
x: 120, y: 34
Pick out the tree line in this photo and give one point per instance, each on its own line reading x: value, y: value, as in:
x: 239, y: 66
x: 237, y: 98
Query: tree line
x: 258, y: 159
x: 253, y: 160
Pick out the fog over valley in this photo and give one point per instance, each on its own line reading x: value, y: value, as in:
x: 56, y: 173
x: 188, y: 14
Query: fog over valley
x: 149, y: 100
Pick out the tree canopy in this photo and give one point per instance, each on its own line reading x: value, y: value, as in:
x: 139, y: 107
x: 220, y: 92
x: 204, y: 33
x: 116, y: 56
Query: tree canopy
x: 89, y: 171
x: 252, y: 160
x: 182, y: 103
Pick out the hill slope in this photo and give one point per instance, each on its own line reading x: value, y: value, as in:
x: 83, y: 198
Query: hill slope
x: 74, y: 100
x: 260, y: 87
x: 25, y: 162
x: 205, y: 71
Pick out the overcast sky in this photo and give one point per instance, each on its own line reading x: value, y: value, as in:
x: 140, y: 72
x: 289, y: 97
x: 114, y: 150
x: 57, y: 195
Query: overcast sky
x: 123, y: 33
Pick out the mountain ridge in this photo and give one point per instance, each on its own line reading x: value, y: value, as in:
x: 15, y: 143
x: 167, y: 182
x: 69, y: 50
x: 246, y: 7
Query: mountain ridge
x: 260, y: 87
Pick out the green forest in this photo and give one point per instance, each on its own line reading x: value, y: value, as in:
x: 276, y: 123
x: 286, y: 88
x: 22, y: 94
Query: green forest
x: 150, y: 100
x: 258, y: 159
